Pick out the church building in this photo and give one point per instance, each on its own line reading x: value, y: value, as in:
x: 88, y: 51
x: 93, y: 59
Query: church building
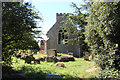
x: 57, y: 38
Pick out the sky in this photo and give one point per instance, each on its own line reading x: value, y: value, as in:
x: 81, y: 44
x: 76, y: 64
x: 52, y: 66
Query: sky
x: 48, y: 10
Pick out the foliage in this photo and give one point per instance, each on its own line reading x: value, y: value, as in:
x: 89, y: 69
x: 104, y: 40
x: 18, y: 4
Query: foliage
x: 107, y: 62
x: 102, y: 35
x: 18, y: 26
x: 75, y: 26
x: 109, y: 73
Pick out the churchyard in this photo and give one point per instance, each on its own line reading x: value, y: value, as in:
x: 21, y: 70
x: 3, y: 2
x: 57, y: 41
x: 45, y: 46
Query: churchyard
x: 77, y: 69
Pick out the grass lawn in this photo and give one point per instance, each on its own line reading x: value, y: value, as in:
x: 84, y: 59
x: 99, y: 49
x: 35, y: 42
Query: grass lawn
x: 73, y: 70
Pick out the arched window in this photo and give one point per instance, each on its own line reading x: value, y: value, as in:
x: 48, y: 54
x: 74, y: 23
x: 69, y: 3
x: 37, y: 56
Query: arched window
x: 62, y: 38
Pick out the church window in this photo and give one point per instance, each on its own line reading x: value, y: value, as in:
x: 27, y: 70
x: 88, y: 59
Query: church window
x: 62, y: 38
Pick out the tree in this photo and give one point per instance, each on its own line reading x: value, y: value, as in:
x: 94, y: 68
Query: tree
x: 76, y: 30
x: 18, y: 24
x: 102, y: 35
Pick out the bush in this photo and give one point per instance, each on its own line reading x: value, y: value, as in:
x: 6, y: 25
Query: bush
x: 109, y: 73
x: 52, y: 59
x: 37, y: 61
x: 28, y: 59
x: 86, y: 58
x: 23, y: 56
x: 108, y: 61
x: 18, y: 55
x: 109, y: 65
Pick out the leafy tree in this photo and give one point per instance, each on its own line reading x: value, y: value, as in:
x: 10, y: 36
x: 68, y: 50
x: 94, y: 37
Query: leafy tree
x: 18, y: 26
x: 102, y: 35
x: 76, y: 30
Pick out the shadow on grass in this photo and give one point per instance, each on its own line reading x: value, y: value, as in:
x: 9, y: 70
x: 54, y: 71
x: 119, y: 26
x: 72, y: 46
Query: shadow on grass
x: 9, y: 74
x: 30, y: 74
x: 68, y: 77
x: 26, y: 73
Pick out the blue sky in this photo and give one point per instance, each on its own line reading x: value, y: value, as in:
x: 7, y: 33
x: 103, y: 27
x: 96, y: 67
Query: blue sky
x: 49, y: 8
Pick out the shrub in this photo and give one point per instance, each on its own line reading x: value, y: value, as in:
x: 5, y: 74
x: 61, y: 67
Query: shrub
x: 23, y: 56
x: 86, y: 58
x: 18, y: 55
x: 37, y: 61
x: 49, y: 59
x: 109, y: 65
x: 108, y: 61
x: 109, y: 73
x: 28, y: 59
x: 52, y: 59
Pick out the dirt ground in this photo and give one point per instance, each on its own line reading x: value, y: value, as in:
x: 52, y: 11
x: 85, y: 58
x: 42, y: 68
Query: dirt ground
x: 93, y: 69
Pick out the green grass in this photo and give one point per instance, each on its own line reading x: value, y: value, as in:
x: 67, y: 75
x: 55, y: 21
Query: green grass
x: 73, y: 69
